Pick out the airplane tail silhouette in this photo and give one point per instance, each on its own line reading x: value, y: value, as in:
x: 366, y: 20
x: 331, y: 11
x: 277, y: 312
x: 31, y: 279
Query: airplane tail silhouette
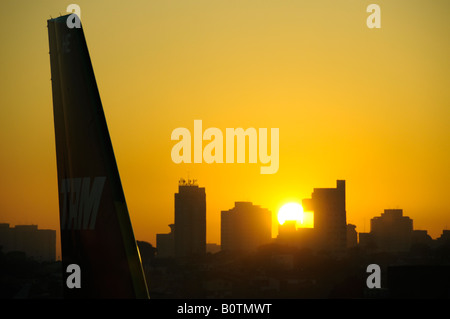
x: 96, y: 231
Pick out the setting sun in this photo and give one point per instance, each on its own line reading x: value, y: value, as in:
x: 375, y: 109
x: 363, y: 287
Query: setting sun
x: 291, y: 211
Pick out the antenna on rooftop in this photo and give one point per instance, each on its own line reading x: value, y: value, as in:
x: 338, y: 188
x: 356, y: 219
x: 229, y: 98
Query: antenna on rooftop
x: 187, y: 182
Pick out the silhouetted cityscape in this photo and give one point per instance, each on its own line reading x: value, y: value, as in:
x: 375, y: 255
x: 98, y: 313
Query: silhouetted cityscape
x: 326, y: 261
x: 37, y: 243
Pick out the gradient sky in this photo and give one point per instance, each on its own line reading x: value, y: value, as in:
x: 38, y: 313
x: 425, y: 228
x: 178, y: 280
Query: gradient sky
x: 371, y: 106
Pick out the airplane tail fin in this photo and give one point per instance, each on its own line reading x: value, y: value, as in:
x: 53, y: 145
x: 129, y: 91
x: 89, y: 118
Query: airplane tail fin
x: 96, y: 231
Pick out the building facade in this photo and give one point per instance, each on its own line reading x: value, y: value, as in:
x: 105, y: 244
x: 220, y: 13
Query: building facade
x: 190, y: 220
x: 39, y: 244
x: 392, y: 232
x: 330, y: 221
x: 245, y: 227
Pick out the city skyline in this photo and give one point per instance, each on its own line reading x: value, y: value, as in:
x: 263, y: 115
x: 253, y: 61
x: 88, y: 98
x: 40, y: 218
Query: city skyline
x: 367, y: 106
x: 186, y: 199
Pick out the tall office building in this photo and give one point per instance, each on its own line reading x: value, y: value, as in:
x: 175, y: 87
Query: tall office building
x: 245, y: 227
x: 39, y: 244
x: 190, y: 220
x: 392, y: 231
x: 330, y: 221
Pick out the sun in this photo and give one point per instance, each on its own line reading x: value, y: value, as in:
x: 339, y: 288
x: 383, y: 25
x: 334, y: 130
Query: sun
x: 291, y: 211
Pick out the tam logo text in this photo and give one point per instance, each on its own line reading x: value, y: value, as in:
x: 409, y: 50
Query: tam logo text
x: 81, y: 201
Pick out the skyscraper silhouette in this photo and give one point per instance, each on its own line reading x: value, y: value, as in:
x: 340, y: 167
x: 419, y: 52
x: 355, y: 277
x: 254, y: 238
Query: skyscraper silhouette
x: 190, y: 220
x: 245, y: 227
x: 330, y: 222
x: 392, y: 231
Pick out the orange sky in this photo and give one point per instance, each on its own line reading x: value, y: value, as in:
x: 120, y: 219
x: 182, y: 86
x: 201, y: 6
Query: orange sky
x: 371, y: 106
